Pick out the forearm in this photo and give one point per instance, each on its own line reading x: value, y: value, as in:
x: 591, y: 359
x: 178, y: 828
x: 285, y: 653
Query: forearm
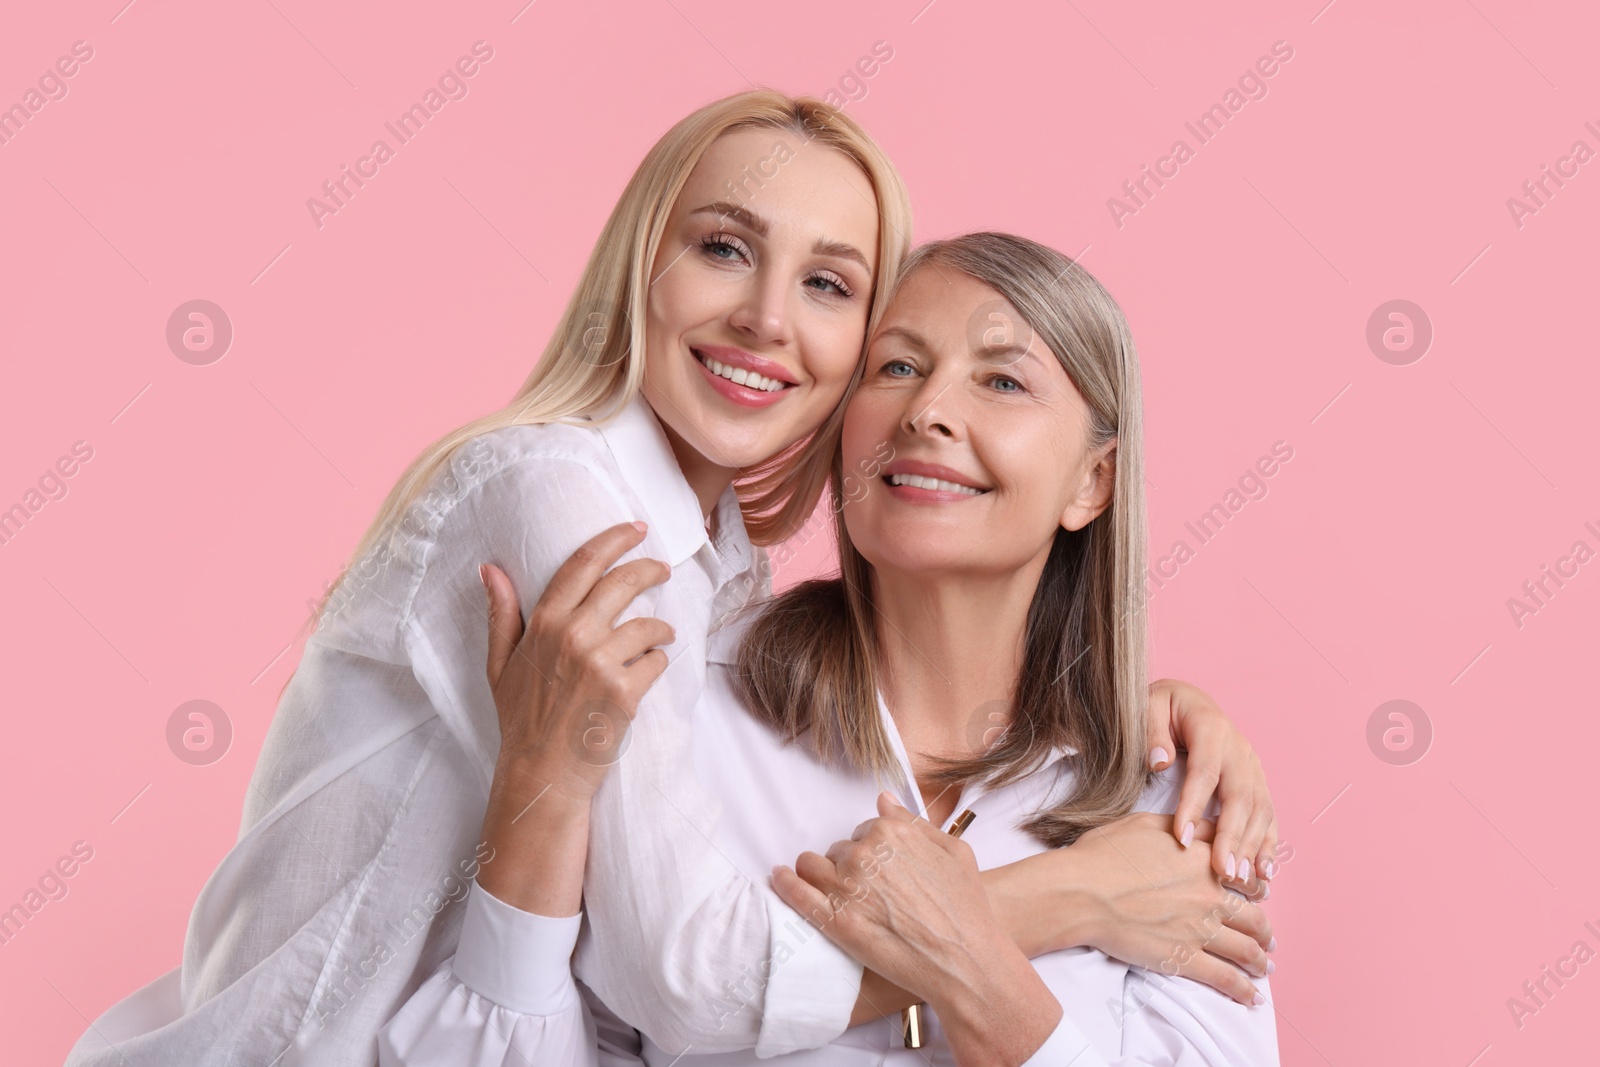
x: 538, y: 832
x: 1043, y: 902
x: 1001, y: 1015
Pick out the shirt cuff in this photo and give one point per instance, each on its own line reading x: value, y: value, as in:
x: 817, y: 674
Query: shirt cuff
x: 812, y: 986
x: 515, y: 958
x: 1067, y: 1044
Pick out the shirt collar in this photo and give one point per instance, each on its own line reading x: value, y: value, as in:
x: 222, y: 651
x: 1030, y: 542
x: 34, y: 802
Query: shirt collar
x: 644, y: 455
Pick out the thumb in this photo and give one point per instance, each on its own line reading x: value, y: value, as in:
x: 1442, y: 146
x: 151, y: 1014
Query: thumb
x: 889, y: 806
x: 505, y: 619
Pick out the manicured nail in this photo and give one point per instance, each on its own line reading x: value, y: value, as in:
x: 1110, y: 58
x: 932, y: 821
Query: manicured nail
x: 1231, y: 866
x: 1188, y: 834
x: 1272, y: 965
x: 1244, y: 870
x: 1268, y: 869
x: 641, y: 527
x: 1258, y: 1000
x: 891, y: 798
x: 483, y: 574
x: 1157, y: 755
x: 1266, y: 891
x: 1272, y: 946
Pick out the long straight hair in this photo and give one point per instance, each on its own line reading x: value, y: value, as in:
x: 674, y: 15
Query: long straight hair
x: 594, y: 363
x: 809, y: 664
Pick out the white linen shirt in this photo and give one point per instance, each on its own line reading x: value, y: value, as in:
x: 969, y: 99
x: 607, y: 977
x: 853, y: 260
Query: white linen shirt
x: 508, y: 997
x: 360, y: 831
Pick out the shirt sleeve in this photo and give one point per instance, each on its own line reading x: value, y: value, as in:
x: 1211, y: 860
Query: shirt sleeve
x: 506, y: 999
x: 1170, y: 1022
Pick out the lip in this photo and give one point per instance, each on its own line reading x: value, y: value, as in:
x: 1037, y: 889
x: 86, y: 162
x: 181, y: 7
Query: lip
x: 932, y: 470
x: 738, y: 357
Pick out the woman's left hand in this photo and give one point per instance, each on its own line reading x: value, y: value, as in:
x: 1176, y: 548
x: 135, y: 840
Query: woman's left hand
x: 905, y: 900
x: 1221, y: 761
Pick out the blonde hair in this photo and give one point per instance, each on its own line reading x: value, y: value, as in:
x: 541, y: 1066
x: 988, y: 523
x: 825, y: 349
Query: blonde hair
x: 809, y: 663
x: 596, y: 356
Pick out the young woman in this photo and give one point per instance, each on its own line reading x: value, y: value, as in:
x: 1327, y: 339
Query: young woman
x: 754, y: 241
x: 996, y: 560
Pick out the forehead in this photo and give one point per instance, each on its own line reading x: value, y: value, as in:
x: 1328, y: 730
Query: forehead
x: 809, y: 189
x: 944, y: 309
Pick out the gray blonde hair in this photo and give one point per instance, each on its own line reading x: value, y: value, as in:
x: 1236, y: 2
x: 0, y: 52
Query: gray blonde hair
x: 809, y: 663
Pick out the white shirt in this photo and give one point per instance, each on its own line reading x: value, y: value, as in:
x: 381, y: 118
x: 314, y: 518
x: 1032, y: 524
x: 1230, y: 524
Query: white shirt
x: 360, y: 833
x: 508, y: 996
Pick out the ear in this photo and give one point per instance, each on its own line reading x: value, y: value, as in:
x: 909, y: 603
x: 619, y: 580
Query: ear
x: 1094, y: 489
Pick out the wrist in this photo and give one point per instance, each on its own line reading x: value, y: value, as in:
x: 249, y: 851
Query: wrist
x: 1044, y: 903
x: 1002, y: 1018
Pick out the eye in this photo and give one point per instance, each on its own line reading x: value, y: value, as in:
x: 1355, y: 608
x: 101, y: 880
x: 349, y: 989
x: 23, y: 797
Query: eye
x: 1013, y: 386
x: 828, y: 278
x: 716, y: 244
x: 888, y: 368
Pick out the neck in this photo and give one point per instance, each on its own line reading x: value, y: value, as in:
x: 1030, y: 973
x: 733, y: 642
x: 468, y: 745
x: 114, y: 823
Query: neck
x: 952, y: 647
x: 708, y: 480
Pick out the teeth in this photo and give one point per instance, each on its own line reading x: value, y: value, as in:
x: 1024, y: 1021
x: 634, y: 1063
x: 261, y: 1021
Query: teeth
x: 740, y: 376
x: 917, y: 481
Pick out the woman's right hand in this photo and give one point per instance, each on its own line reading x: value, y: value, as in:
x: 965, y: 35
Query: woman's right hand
x: 1130, y: 890
x: 566, y: 686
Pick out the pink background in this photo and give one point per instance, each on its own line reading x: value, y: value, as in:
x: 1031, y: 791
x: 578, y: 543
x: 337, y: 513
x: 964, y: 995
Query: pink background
x: 1420, y: 497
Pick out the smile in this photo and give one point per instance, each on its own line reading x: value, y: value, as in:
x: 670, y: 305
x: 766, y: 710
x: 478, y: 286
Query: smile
x: 739, y: 376
x: 932, y: 485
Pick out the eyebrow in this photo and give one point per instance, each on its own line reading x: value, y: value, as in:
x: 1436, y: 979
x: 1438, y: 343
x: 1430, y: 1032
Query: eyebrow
x: 761, y: 228
x: 1002, y: 354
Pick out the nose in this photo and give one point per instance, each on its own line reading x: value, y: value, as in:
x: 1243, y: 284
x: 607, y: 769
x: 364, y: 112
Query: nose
x: 929, y: 410
x: 763, y: 313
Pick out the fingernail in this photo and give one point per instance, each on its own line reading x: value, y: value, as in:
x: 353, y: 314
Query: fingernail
x: 1157, y: 755
x: 1258, y: 1000
x: 1269, y: 868
x: 1272, y: 965
x: 892, y: 798
x: 483, y: 574
x: 1272, y: 946
x: 1188, y: 834
x: 641, y: 527
x: 1266, y: 891
x: 1231, y: 866
x: 1244, y: 870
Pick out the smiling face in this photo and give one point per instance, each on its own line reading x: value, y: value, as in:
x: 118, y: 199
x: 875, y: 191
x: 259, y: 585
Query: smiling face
x: 989, y: 438
x: 759, y: 297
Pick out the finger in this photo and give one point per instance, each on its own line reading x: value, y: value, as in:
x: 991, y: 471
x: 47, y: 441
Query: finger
x: 641, y: 674
x: 505, y: 619
x: 820, y: 872
x: 637, y: 636
x: 802, y: 896
x: 1231, y: 821
x: 1158, y: 728
x: 1220, y: 975
x: 1251, y: 921
x: 1199, y: 782
x: 1268, y: 861
x: 576, y: 577
x: 1242, y: 951
x: 1255, y: 832
x: 621, y: 584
